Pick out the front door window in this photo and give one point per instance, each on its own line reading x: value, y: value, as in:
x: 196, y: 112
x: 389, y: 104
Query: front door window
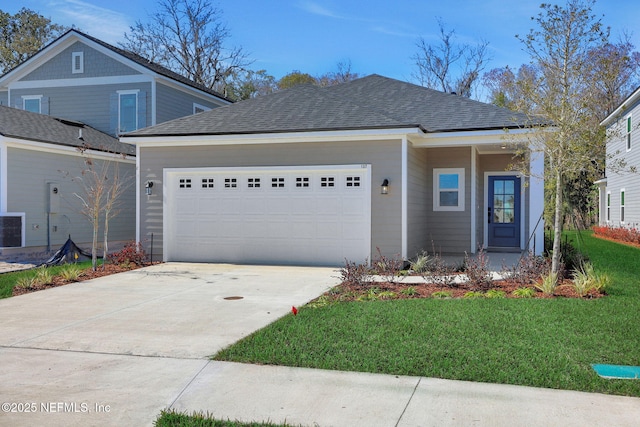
x: 503, y: 214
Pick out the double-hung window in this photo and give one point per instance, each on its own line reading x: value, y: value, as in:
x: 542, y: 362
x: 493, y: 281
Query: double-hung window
x: 127, y: 111
x: 608, y: 206
x: 448, y: 189
x: 622, y: 205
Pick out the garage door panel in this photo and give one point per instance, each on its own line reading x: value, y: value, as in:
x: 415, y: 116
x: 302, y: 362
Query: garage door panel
x: 271, y: 215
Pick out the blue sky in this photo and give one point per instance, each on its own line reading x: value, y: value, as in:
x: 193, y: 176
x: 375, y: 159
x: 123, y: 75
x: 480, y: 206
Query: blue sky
x: 312, y: 36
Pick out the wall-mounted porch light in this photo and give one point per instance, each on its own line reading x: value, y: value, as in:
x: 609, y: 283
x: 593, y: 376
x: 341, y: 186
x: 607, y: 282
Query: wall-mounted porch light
x: 384, y: 188
x: 147, y: 187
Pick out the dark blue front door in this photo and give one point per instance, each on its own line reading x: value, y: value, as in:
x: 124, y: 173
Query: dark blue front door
x: 504, y: 211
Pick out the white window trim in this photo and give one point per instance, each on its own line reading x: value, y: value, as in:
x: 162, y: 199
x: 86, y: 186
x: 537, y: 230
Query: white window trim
x: 622, y: 205
x: 436, y: 188
x: 201, y: 107
x: 80, y: 69
x: 25, y: 98
x: 608, y: 207
x: 127, y: 92
x: 628, y: 133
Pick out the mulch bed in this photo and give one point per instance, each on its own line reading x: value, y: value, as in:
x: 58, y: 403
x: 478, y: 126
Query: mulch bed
x: 346, y: 292
x: 87, y: 274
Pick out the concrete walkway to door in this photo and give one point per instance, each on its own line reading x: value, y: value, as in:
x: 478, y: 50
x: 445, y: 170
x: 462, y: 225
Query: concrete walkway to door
x: 116, y: 351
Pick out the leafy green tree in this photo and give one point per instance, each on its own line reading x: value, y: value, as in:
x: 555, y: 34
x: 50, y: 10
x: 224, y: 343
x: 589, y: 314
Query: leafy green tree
x: 245, y: 84
x: 295, y: 78
x: 24, y: 34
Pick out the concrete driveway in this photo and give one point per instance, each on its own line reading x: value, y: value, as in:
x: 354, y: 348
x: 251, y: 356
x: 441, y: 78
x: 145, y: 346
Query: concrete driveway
x: 133, y: 341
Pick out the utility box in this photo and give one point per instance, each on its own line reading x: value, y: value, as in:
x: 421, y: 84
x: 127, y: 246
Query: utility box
x: 54, y: 197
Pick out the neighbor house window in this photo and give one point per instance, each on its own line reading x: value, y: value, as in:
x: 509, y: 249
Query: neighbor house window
x: 77, y: 62
x: 629, y: 127
x: 622, y: 205
x: 608, y: 206
x: 32, y: 103
x: 448, y: 189
x: 127, y: 111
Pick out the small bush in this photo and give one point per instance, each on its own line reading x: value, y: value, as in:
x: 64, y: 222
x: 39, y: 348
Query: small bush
x: 132, y: 253
x: 528, y: 269
x: 421, y: 263
x: 25, y: 282
x: 43, y: 276
x: 548, y: 283
x: 354, y: 274
x: 621, y: 234
x: 442, y: 295
x: 388, y: 267
x: 495, y: 293
x: 473, y: 295
x: 410, y: 291
x: 71, y: 273
x: 440, y: 272
x: 477, y: 270
x: 524, y: 293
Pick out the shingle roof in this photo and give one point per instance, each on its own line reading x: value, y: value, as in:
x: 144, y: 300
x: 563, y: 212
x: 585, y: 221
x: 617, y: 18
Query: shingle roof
x: 372, y: 102
x: 15, y: 123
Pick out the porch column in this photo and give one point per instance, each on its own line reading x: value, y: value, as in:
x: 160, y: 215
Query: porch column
x: 536, y: 202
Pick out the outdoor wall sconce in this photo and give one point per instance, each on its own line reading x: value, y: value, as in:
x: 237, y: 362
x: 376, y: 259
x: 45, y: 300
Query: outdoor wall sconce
x: 384, y: 188
x: 147, y: 187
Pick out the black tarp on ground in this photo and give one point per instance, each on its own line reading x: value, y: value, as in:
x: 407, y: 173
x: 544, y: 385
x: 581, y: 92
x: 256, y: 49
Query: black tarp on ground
x: 67, y: 254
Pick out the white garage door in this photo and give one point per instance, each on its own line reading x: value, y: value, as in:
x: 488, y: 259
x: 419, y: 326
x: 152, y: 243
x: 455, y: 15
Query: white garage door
x: 319, y: 215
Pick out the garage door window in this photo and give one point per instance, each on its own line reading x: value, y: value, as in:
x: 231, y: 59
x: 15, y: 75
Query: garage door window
x: 302, y: 182
x: 327, y: 181
x: 353, y: 181
x: 230, y: 183
x: 207, y: 183
x: 253, y: 182
x: 277, y: 182
x: 185, y: 182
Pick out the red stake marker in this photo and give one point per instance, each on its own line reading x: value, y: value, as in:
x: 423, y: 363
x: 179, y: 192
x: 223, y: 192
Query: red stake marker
x: 294, y: 310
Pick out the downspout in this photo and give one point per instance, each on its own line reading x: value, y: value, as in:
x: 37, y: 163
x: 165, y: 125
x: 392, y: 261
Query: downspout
x: 405, y: 195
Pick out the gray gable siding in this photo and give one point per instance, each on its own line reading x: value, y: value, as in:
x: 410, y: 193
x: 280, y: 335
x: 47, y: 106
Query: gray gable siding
x: 29, y: 172
x: 622, y: 178
x: 96, y: 64
x: 417, y: 203
x: 172, y: 103
x: 384, y: 157
x: 87, y: 104
x: 4, y: 97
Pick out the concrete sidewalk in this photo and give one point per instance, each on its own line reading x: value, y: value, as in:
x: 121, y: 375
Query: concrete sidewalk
x: 117, y: 350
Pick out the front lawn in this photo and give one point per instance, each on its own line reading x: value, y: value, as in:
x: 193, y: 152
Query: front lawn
x: 535, y: 342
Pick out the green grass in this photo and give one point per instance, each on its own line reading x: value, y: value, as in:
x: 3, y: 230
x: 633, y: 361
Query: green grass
x: 535, y: 342
x: 174, y: 419
x: 8, y: 280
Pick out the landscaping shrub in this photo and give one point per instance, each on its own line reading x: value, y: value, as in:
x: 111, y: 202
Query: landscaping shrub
x: 388, y: 267
x: 621, y: 234
x: 354, y: 274
x: 132, y: 253
x: 477, y: 270
x: 528, y: 270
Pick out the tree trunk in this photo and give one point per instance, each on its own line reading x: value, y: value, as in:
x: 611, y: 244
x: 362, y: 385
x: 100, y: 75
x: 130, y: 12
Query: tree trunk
x: 94, y: 248
x: 557, y: 227
x: 105, y: 249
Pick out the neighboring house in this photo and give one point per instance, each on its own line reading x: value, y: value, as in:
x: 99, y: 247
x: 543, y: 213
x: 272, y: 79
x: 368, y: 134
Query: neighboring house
x: 316, y: 175
x: 83, y: 79
x: 110, y: 89
x: 619, y: 192
x: 42, y: 160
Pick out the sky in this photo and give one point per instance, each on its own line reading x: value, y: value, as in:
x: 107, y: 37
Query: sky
x: 313, y: 36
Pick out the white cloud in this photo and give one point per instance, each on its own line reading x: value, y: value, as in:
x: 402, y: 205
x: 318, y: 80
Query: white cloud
x: 102, y: 23
x: 315, y: 9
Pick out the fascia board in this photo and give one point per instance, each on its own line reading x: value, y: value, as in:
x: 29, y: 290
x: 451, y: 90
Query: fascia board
x: 270, y: 138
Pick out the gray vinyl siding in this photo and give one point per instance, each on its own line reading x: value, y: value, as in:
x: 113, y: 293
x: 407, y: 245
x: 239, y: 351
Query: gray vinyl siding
x: 96, y: 64
x: 4, y: 98
x: 172, y: 103
x: 30, y: 172
x: 619, y: 178
x: 87, y: 104
x: 418, y: 202
x: 385, y: 159
x: 450, y: 231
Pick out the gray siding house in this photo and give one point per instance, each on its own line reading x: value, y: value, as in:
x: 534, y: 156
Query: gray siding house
x: 619, y: 192
x: 316, y: 175
x: 98, y: 89
x: 112, y: 90
x: 42, y: 160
